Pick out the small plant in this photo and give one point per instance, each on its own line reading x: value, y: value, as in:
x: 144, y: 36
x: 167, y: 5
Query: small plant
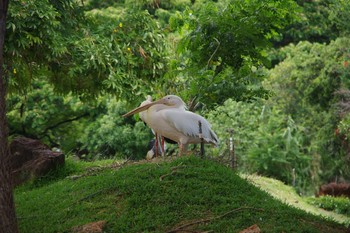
x: 340, y: 205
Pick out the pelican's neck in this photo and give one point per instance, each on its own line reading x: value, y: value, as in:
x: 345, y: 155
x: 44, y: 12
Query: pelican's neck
x: 158, y: 107
x: 180, y: 106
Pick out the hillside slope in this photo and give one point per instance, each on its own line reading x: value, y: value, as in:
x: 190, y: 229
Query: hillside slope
x: 289, y: 196
x: 188, y: 193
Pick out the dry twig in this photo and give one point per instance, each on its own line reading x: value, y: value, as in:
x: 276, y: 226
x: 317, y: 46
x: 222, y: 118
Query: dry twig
x: 173, y: 171
x: 181, y: 228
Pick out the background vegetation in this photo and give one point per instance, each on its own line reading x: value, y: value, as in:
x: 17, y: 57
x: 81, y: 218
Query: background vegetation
x: 277, y: 72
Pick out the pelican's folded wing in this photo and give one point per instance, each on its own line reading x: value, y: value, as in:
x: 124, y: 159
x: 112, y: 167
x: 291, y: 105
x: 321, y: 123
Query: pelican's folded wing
x: 188, y: 123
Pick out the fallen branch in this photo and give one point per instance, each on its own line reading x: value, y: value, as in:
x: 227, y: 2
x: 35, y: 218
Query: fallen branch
x: 180, y: 228
x: 90, y: 171
x: 169, y: 174
x: 92, y: 195
x: 173, y: 171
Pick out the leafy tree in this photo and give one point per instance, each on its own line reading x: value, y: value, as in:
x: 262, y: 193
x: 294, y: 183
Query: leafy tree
x: 305, y: 84
x: 37, y: 38
x: 319, y: 21
x: 131, y: 52
x: 109, y: 134
x: 153, y: 5
x: 342, y: 131
x: 224, y: 45
x: 102, y: 51
x: 267, y: 141
x: 313, y: 24
x: 44, y: 115
x: 97, y: 129
x: 96, y: 4
x: 243, y: 118
x: 340, y: 14
x: 278, y: 150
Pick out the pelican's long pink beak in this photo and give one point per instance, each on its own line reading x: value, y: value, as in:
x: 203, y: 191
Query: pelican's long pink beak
x: 142, y: 108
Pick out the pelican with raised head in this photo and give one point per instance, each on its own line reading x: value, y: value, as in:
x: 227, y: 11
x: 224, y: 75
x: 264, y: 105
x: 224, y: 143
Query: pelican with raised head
x: 168, y: 117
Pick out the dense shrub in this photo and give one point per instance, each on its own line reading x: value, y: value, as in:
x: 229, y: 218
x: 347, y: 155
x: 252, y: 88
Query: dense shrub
x: 267, y: 141
x: 96, y: 128
x: 112, y: 135
x: 340, y: 205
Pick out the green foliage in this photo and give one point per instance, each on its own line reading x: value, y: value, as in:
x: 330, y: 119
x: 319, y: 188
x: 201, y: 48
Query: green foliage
x: 234, y: 31
x: 120, y: 54
x: 319, y: 21
x: 41, y: 114
x: 97, y: 4
x: 37, y: 35
x: 223, y: 47
x: 152, y: 5
x: 107, y: 50
x: 304, y: 85
x: 112, y: 135
x: 344, y: 128
x: 297, y: 135
x: 278, y: 150
x: 97, y: 129
x: 135, y: 199
x: 267, y: 141
x: 340, y: 205
x: 340, y: 14
x: 72, y: 125
x: 244, y: 119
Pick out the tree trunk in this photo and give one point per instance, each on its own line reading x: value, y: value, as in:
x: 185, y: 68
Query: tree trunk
x: 8, y: 221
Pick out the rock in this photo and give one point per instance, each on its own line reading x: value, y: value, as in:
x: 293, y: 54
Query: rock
x: 93, y: 227
x: 31, y: 158
x: 252, y: 229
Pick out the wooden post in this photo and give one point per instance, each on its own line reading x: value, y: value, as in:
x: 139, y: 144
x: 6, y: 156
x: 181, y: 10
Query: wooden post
x: 233, y: 162
x: 293, y: 177
x: 201, y: 137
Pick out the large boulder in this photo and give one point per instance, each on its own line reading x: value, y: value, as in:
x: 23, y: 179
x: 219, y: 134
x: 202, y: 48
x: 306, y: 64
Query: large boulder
x: 31, y: 158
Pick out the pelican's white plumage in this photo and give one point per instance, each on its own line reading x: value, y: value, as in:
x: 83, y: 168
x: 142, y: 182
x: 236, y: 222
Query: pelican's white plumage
x: 143, y: 114
x: 168, y: 117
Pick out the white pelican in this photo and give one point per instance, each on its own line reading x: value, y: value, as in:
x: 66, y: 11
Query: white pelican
x: 168, y: 117
x: 157, y: 144
x: 143, y: 115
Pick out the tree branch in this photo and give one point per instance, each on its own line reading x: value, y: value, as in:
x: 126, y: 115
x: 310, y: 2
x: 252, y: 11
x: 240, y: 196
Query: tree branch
x: 211, y: 57
x: 180, y: 228
x: 61, y: 123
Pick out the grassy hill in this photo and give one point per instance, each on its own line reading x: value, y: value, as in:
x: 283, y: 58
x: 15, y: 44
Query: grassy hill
x: 177, y: 196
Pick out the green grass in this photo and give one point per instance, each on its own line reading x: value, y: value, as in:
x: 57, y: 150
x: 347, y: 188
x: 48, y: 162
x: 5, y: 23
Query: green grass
x: 71, y: 167
x: 155, y: 197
